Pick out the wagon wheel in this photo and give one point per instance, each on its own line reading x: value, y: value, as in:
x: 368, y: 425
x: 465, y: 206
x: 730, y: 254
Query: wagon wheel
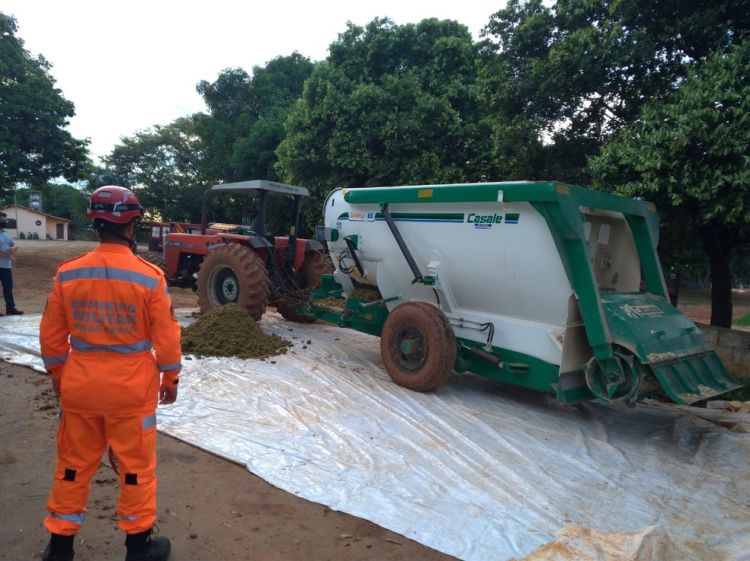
x: 233, y: 274
x: 418, y: 346
x: 315, y: 264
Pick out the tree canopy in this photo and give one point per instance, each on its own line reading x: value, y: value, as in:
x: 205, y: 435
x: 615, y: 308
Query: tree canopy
x: 577, y: 71
x: 163, y: 166
x: 246, y: 115
x: 390, y: 105
x: 691, y: 154
x: 34, y: 145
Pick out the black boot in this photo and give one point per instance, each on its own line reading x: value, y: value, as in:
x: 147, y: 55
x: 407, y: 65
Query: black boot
x: 59, y: 548
x: 143, y: 547
x: 13, y: 312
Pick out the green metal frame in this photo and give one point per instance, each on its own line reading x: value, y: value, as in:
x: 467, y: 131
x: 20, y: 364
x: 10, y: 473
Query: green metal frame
x: 560, y: 206
x: 363, y: 315
x: 684, y: 377
x: 518, y: 369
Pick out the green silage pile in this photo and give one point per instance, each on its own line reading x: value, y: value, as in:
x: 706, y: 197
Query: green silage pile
x: 230, y: 331
x: 366, y: 294
x: 331, y: 302
x: 362, y: 294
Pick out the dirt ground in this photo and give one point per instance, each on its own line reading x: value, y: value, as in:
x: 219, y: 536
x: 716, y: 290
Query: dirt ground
x: 36, y: 262
x: 696, y: 304
x: 211, y: 509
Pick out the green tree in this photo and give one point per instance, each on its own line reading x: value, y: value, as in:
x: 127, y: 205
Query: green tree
x: 390, y: 105
x: 577, y: 71
x: 246, y: 115
x: 163, y: 165
x: 226, y: 99
x: 691, y: 154
x: 34, y: 145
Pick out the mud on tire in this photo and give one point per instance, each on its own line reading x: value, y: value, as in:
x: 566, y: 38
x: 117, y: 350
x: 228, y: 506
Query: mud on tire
x: 418, y: 346
x: 233, y: 274
x: 314, y: 265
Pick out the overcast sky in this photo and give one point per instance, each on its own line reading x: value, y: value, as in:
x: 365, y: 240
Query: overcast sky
x: 130, y: 65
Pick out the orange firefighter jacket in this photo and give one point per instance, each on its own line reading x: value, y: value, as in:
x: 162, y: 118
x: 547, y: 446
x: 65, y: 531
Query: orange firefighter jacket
x: 107, y: 310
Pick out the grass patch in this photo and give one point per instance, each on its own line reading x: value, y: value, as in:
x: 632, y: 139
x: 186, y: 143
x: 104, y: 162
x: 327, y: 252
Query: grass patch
x: 743, y: 320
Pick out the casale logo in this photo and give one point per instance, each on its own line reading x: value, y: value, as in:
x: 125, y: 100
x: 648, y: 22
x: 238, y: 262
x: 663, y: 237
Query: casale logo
x: 485, y: 221
x: 474, y: 218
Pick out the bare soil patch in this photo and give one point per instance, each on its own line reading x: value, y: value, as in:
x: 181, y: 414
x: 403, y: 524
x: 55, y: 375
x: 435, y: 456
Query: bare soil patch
x: 36, y: 262
x: 696, y: 304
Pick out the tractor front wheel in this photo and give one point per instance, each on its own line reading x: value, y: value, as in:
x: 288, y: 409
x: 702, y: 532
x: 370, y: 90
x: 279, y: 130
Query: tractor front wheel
x: 418, y: 346
x: 313, y: 266
x: 233, y: 274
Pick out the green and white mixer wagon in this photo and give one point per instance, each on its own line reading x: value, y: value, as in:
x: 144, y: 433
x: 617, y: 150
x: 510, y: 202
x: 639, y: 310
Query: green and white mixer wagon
x: 545, y: 285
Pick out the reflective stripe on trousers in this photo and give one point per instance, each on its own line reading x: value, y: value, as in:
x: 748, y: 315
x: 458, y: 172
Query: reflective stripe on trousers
x: 75, y: 518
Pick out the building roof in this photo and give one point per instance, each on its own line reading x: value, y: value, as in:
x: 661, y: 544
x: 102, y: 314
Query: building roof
x: 60, y: 218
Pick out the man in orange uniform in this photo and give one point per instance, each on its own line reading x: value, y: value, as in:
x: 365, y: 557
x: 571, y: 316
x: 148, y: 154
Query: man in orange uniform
x: 108, y: 312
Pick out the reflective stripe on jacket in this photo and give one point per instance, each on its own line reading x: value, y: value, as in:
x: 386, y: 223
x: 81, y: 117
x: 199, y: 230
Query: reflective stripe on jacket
x: 107, y: 310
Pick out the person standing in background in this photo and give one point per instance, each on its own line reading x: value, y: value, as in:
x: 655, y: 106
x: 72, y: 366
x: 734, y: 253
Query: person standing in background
x: 7, y: 256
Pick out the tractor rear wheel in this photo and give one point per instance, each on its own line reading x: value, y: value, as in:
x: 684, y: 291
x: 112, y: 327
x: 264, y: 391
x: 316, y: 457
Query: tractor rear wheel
x: 155, y: 258
x: 233, y: 274
x: 314, y: 265
x: 418, y: 346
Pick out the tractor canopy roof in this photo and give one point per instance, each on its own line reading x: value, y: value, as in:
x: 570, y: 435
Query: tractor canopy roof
x: 272, y: 187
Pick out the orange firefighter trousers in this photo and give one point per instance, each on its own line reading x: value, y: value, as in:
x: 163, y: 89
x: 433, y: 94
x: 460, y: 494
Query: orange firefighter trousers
x: 81, y: 442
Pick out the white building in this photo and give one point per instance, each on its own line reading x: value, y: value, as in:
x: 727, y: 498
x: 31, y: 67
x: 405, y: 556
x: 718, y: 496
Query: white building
x: 27, y: 221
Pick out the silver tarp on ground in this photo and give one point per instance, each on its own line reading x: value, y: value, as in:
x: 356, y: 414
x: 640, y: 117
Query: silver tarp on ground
x: 476, y: 469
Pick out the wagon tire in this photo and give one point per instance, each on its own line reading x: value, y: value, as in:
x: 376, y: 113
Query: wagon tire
x: 418, y: 346
x: 235, y: 274
x: 314, y: 265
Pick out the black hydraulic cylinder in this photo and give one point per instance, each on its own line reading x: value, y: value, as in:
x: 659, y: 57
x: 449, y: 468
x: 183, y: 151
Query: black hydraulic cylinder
x: 486, y: 356
x: 402, y: 245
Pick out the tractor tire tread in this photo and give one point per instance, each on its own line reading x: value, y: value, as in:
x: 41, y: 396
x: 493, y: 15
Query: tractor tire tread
x: 252, y: 277
x: 313, y: 267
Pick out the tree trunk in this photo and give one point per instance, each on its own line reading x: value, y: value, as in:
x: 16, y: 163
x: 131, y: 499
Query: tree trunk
x: 718, y: 246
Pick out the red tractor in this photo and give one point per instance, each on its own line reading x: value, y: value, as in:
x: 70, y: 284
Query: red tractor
x: 159, y: 230
x: 243, y: 264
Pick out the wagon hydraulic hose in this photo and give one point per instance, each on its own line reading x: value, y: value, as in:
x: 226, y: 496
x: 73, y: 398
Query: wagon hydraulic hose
x: 353, y: 253
x: 402, y: 245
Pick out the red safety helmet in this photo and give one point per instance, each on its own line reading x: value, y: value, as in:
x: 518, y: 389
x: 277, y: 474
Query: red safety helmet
x: 114, y: 204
